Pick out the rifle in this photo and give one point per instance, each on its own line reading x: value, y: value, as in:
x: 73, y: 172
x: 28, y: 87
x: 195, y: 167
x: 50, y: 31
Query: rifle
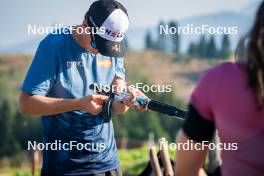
x: 146, y: 103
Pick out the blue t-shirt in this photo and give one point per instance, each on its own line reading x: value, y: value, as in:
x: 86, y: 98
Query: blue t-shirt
x: 62, y: 69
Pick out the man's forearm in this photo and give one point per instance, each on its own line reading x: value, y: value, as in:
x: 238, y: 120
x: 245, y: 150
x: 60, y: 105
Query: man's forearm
x: 40, y: 105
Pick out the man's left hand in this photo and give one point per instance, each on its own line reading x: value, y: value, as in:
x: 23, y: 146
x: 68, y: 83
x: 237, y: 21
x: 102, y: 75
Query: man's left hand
x: 134, y: 93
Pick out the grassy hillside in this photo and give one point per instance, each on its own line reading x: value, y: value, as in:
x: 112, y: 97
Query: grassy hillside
x: 180, y: 71
x: 12, y: 71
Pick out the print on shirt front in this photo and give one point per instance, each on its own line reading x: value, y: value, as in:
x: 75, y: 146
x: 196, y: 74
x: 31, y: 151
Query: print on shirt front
x: 62, y: 69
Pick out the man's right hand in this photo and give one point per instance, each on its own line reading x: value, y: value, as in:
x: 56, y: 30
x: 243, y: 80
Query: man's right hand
x: 92, y: 103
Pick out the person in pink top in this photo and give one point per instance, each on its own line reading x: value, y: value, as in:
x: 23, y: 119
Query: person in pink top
x: 229, y: 98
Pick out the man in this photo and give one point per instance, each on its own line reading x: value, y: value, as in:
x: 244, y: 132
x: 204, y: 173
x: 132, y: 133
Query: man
x: 57, y: 88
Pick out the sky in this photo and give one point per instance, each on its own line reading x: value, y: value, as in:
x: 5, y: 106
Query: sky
x: 16, y: 15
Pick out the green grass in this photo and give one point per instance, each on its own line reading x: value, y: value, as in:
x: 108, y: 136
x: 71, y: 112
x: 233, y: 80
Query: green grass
x: 134, y: 161
x: 18, y: 171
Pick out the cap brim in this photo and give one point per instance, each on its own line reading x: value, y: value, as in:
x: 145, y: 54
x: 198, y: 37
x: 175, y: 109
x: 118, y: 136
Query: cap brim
x: 110, y: 48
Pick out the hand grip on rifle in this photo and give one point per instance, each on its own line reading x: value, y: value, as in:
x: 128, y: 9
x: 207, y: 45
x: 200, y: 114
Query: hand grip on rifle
x: 146, y: 103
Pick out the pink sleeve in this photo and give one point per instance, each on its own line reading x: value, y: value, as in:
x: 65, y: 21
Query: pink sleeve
x: 201, y: 96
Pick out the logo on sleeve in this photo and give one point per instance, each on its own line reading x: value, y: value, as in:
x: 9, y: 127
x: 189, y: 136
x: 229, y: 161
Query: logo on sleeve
x: 104, y: 63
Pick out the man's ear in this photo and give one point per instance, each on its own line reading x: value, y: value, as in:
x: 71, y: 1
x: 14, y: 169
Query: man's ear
x: 85, y: 24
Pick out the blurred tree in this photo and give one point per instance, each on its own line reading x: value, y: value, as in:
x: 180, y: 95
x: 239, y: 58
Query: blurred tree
x: 161, y: 42
x: 193, y: 49
x: 149, y: 43
x: 225, y: 51
x: 202, y: 46
x: 175, y: 38
x: 8, y: 144
x: 169, y: 124
x: 27, y: 129
x: 211, y: 48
